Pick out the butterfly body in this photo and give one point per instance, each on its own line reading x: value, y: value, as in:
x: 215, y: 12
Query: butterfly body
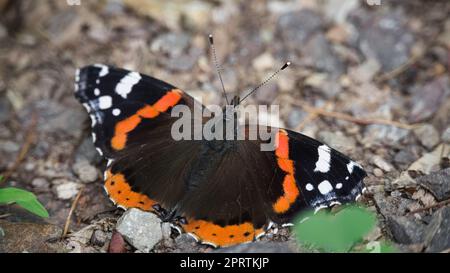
x: 226, y: 190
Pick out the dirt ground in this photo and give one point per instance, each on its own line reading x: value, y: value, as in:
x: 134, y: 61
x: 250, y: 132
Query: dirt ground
x: 371, y: 81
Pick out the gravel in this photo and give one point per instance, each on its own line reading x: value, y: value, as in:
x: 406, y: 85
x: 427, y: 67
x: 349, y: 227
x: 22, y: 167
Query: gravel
x: 438, y: 183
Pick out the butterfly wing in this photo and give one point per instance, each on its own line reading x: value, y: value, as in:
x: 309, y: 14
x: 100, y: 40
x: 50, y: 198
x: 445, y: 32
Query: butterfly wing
x: 232, y: 203
x: 122, y: 102
x: 250, y: 188
x: 323, y: 175
x: 131, y: 121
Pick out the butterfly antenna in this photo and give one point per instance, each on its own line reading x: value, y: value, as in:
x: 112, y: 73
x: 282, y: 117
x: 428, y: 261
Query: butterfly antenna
x: 266, y: 81
x: 211, y: 42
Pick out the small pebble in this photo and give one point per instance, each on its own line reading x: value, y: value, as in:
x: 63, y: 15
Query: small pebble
x: 85, y: 171
x: 378, y: 172
x: 141, y: 229
x: 98, y: 238
x: 427, y: 135
x: 381, y: 163
x: 67, y: 190
x: 40, y: 183
x: 446, y: 135
x: 263, y: 62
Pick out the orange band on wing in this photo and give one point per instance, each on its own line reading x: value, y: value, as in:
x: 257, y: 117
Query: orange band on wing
x: 127, y: 125
x: 291, y: 193
x: 282, y: 150
x: 148, y: 112
x: 122, y: 128
x: 286, y: 165
x: 290, y: 189
x: 209, y: 232
x: 168, y: 100
x: 121, y: 193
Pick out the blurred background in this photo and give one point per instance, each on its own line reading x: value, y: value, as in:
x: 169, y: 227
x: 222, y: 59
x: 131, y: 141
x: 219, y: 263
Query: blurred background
x: 370, y: 78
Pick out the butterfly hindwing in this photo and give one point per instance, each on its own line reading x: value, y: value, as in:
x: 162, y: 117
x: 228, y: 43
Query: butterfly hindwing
x: 323, y: 176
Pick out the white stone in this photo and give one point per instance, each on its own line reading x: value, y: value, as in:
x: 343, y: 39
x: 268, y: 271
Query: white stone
x: 141, y: 229
x: 67, y: 190
x: 85, y: 171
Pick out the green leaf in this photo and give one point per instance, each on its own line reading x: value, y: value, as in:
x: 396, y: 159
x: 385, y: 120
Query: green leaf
x: 334, y: 232
x: 23, y: 198
x: 380, y: 247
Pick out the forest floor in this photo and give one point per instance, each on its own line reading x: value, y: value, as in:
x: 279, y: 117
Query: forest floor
x: 370, y: 81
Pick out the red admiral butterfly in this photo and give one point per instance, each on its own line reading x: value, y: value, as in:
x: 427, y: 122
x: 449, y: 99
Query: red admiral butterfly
x: 221, y: 192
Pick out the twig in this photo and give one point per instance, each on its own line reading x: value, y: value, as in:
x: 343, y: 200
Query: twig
x: 312, y: 115
x: 25, y: 147
x: 72, y: 209
x: 5, y: 215
x: 399, y: 70
x: 342, y: 116
x: 439, y: 204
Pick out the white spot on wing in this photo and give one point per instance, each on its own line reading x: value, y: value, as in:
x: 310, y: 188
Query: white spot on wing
x: 325, y: 187
x: 176, y: 227
x: 323, y: 163
x: 338, y: 185
x: 121, y: 207
x: 350, y: 167
x: 86, y: 106
x: 116, y: 112
x: 193, y: 236
x: 334, y: 203
x: 309, y: 187
x: 104, y: 70
x: 209, y: 243
x: 77, y: 75
x: 316, y: 210
x: 99, y: 151
x: 94, y: 137
x: 96, y: 91
x: 260, y: 235
x: 93, y: 120
x: 125, y: 85
x: 104, y: 102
